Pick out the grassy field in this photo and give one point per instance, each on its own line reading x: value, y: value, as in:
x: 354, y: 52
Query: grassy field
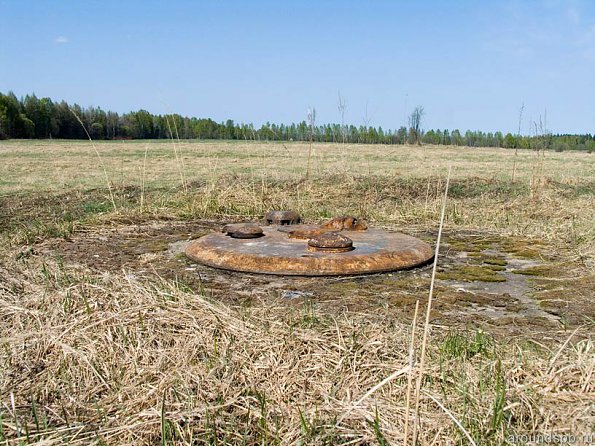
x: 110, y: 336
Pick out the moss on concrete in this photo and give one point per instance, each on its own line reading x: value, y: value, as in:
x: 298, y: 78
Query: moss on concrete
x: 471, y: 273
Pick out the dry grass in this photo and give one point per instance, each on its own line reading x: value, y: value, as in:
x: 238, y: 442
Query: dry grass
x: 91, y: 356
x: 113, y: 360
x: 36, y: 166
x: 94, y: 359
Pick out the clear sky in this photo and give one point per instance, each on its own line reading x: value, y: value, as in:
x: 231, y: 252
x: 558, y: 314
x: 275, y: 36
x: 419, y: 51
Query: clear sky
x: 470, y: 64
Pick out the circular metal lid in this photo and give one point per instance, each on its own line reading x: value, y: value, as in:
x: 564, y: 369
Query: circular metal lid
x: 375, y: 250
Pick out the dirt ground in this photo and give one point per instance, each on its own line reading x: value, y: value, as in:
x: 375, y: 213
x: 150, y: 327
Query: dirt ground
x: 502, y: 284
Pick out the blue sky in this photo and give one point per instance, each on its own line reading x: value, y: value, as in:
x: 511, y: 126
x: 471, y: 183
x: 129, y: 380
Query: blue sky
x: 470, y: 64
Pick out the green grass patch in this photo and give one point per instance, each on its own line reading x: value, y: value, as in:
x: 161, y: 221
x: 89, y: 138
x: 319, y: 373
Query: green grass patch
x: 467, y: 345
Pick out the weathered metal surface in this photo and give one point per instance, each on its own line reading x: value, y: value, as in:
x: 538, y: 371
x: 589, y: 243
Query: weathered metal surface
x: 330, y: 242
x: 307, y: 234
x: 302, y: 227
x: 374, y: 251
x: 282, y: 217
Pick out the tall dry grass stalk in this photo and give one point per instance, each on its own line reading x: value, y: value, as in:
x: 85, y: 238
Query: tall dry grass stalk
x: 182, y: 163
x: 57, y: 173
x: 311, y: 122
x: 142, y: 182
x: 452, y: 417
x: 543, y: 143
x: 179, y: 160
x: 107, y: 181
x: 373, y: 389
x: 308, y: 168
x: 537, y: 180
x: 422, y: 360
x: 516, y: 149
x: 410, y: 374
x: 427, y: 197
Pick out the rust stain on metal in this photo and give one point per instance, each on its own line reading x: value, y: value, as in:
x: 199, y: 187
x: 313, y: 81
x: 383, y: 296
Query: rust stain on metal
x: 282, y: 218
x: 330, y: 242
x: 375, y: 250
x: 301, y: 227
x: 306, y: 234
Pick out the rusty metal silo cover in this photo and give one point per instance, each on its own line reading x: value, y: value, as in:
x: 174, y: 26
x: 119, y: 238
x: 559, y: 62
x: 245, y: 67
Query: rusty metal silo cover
x: 316, y: 251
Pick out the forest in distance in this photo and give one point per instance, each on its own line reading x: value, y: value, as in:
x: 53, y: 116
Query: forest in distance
x: 31, y: 117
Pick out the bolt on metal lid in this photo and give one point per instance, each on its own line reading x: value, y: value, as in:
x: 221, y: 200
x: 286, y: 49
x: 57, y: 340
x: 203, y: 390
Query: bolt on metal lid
x: 330, y: 242
x: 229, y: 228
x: 243, y: 231
x: 282, y: 218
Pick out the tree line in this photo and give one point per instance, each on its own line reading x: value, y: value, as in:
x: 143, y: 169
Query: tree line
x: 33, y: 117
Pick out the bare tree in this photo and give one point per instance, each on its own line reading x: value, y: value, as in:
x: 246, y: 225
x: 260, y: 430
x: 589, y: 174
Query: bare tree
x: 342, y: 106
x: 542, y: 142
x: 405, y: 110
x: 311, y: 116
x: 415, y: 119
x: 366, y: 119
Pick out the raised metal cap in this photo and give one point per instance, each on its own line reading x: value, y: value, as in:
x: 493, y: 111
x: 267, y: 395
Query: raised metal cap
x: 330, y: 242
x: 282, y: 218
x: 232, y: 227
x: 245, y: 231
